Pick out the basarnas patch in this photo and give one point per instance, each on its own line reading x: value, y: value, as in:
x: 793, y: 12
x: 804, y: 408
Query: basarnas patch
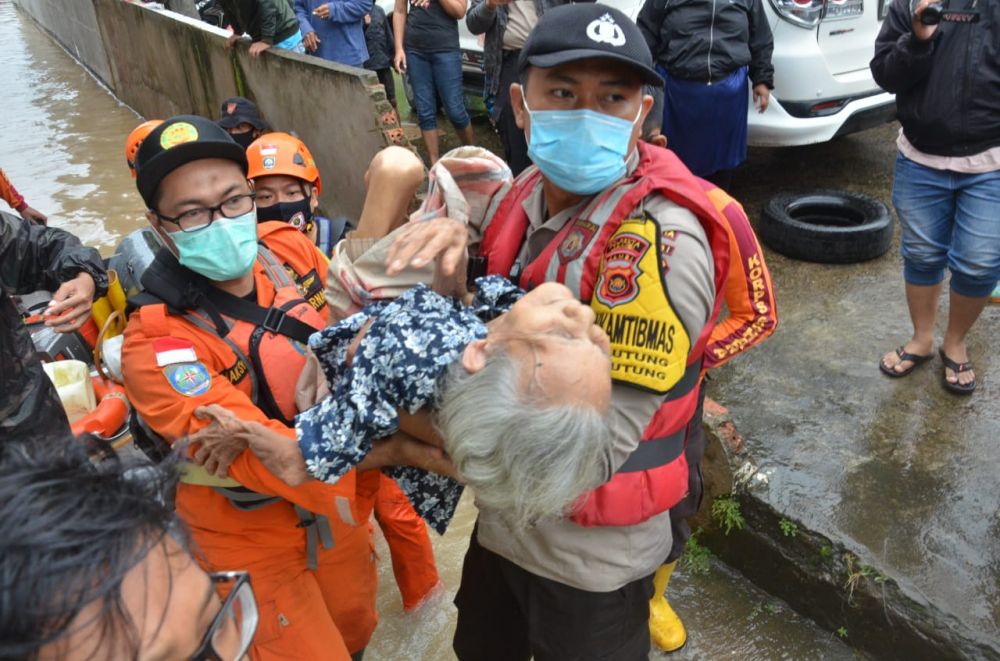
x: 189, y: 379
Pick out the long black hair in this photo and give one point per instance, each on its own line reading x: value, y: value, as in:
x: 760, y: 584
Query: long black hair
x: 72, y: 525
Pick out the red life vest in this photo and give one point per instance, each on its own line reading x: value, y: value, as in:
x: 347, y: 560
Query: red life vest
x: 654, y: 477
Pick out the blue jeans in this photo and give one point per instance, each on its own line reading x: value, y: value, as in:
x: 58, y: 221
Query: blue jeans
x: 949, y: 219
x: 433, y: 75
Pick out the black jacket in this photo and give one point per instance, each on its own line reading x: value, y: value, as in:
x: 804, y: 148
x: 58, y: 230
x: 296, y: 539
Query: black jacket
x: 33, y: 257
x: 270, y: 21
x: 707, y: 40
x: 947, y: 89
x: 378, y: 38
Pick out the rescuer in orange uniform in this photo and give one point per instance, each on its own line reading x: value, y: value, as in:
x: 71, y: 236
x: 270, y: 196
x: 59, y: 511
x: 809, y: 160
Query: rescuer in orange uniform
x: 749, y: 297
x: 222, y: 322
x: 16, y: 201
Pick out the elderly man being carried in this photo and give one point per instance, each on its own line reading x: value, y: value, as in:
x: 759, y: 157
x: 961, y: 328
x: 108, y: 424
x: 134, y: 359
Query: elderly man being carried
x: 482, y: 376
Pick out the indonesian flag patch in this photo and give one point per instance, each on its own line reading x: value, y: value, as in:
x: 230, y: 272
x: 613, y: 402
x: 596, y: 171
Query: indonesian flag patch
x: 171, y: 350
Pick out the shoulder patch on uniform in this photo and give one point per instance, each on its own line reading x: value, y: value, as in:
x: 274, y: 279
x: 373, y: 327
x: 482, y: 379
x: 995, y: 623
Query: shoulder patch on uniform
x: 649, y: 344
x: 189, y: 379
x: 171, y: 350
x: 577, y: 240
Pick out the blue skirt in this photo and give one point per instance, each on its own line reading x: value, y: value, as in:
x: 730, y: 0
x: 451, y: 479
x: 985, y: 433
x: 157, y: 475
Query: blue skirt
x: 706, y: 125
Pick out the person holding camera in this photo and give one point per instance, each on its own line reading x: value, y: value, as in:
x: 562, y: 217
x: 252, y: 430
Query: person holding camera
x: 942, y: 61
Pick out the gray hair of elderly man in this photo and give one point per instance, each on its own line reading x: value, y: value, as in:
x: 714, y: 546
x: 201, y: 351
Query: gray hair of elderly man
x: 526, y: 459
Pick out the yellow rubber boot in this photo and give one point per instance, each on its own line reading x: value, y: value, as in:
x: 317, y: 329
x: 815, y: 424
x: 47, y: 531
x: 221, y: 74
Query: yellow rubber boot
x: 665, y: 628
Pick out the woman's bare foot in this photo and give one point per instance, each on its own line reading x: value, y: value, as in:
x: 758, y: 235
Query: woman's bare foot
x: 894, y: 362
x: 958, y: 353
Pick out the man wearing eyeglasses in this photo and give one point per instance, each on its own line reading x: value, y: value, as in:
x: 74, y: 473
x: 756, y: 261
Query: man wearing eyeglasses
x: 223, y: 322
x: 97, y: 568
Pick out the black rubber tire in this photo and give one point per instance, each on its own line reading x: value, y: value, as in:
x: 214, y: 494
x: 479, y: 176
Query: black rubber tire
x: 827, y: 226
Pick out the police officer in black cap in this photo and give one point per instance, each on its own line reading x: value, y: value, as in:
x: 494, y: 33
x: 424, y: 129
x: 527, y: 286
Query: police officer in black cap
x: 621, y: 223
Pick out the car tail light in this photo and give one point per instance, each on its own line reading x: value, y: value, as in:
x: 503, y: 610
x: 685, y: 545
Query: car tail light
x: 804, y: 13
x: 808, y: 13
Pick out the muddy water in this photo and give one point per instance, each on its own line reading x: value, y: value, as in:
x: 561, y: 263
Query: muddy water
x: 63, y: 137
x: 62, y: 140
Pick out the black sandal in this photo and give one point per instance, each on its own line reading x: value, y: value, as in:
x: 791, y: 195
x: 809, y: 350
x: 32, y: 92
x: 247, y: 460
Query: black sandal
x: 903, y: 356
x: 957, y: 368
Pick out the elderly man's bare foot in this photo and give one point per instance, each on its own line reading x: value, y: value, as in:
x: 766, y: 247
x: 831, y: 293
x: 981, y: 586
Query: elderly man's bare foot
x: 906, y: 358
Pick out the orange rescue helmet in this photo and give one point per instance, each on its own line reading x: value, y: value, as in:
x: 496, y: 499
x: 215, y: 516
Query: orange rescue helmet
x: 135, y: 139
x: 281, y: 153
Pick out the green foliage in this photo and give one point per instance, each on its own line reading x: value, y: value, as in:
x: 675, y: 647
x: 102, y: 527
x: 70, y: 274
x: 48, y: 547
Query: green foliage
x: 788, y: 528
x: 768, y: 607
x: 825, y: 551
x: 842, y: 632
x: 697, y: 559
x: 726, y: 513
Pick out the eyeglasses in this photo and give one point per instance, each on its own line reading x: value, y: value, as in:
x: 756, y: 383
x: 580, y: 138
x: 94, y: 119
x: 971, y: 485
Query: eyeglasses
x: 232, y: 630
x: 200, y: 218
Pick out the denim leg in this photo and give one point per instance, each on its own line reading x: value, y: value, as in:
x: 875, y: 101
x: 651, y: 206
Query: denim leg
x: 448, y: 78
x: 974, y: 257
x: 420, y: 68
x: 925, y: 204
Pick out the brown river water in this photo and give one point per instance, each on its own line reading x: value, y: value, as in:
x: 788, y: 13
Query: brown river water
x: 62, y: 146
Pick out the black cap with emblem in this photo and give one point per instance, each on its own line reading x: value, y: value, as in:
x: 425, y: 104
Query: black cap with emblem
x: 177, y: 141
x: 238, y: 110
x: 574, y: 32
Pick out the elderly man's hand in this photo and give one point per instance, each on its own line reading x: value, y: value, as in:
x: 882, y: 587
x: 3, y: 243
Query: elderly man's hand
x: 222, y: 441
x: 323, y: 11
x: 280, y: 454
x: 70, y: 306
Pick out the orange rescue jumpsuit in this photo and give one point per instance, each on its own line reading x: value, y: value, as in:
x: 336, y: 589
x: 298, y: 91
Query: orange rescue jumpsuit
x: 304, y: 614
x: 409, y: 544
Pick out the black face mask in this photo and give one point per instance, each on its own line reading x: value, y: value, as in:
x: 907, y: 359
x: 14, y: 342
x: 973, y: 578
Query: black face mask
x: 243, y: 139
x: 297, y: 214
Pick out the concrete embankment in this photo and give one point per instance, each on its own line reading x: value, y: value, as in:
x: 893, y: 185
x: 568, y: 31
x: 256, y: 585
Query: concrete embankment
x: 163, y: 64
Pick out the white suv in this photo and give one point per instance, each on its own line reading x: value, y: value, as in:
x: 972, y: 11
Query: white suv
x: 822, y: 85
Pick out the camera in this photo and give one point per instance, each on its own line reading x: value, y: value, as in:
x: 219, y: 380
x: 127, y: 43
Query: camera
x: 932, y: 13
x: 938, y: 12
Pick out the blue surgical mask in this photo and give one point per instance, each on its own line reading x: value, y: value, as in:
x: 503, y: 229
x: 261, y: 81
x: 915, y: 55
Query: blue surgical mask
x: 580, y: 151
x: 225, y: 250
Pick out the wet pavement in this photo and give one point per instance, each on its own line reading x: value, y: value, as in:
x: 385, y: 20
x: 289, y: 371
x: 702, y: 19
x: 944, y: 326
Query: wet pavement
x: 726, y: 615
x: 901, y: 471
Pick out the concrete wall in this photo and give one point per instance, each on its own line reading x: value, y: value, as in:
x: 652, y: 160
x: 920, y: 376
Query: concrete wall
x: 163, y: 64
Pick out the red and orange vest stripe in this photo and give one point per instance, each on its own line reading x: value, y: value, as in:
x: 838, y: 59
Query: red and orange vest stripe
x: 654, y: 477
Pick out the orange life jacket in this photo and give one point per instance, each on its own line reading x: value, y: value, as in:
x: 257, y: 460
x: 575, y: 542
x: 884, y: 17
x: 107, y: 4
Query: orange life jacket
x: 593, y: 257
x: 749, y: 293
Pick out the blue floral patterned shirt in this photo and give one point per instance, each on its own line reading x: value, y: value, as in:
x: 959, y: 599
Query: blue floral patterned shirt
x: 409, y: 346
